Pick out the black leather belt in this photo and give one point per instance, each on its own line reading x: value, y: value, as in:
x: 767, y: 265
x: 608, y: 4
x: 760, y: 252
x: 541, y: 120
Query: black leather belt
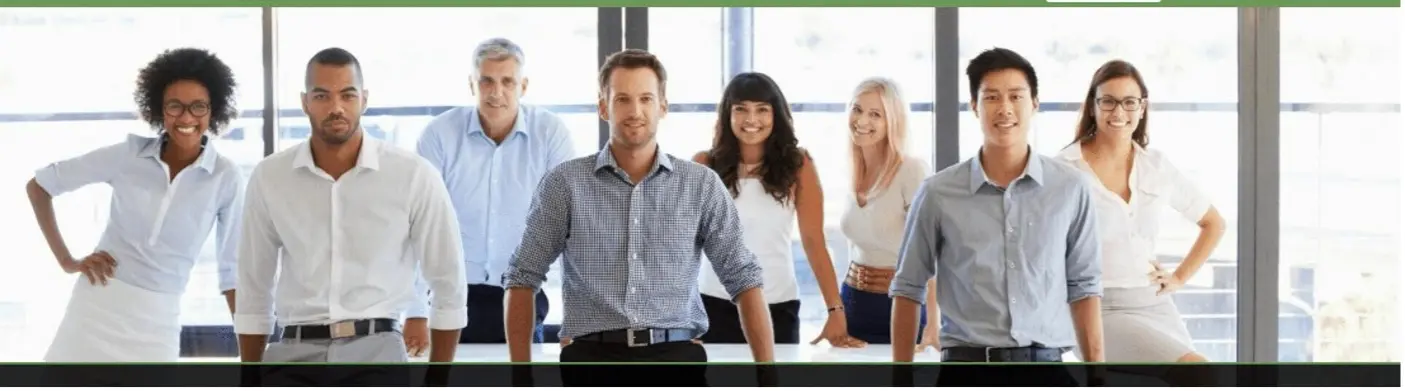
x: 1023, y: 354
x: 639, y: 337
x: 343, y: 329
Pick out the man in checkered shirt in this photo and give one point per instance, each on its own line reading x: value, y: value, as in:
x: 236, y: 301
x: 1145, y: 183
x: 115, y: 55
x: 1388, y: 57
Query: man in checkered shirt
x: 630, y: 224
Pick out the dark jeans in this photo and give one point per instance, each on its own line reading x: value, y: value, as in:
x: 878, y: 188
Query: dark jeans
x: 623, y: 375
x: 485, y: 315
x: 870, y: 315
x: 724, y: 323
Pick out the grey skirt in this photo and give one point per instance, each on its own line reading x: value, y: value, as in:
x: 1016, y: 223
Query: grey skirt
x: 1139, y: 327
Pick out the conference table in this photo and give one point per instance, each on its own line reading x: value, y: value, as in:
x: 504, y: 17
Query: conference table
x: 736, y: 353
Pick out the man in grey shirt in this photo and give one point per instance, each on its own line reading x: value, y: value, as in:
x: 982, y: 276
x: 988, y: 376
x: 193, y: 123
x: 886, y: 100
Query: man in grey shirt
x: 1008, y: 234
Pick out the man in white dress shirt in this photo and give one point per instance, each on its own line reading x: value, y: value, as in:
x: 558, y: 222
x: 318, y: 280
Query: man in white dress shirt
x: 352, y: 220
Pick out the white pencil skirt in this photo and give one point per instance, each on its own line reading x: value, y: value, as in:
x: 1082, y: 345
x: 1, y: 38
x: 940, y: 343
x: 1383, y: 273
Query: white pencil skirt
x: 118, y: 322
x: 1139, y: 326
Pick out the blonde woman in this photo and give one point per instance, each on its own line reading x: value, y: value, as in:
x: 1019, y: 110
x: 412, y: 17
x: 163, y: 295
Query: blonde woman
x: 885, y: 179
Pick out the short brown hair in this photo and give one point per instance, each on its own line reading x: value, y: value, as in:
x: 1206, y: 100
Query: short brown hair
x: 632, y: 59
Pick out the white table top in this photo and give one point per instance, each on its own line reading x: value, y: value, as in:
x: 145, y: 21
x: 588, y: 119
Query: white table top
x: 483, y: 353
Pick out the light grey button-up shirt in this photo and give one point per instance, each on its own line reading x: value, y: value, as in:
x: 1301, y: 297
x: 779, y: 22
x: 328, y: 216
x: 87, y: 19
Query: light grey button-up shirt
x: 1007, y: 261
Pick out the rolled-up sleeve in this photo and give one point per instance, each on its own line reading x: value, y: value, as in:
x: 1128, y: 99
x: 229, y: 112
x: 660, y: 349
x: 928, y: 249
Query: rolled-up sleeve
x: 228, y: 219
x: 98, y: 166
x: 548, y: 224
x: 1083, y: 256
x: 921, y: 245
x: 257, y: 269
x: 721, y: 236
x: 1186, y: 197
x: 434, y: 232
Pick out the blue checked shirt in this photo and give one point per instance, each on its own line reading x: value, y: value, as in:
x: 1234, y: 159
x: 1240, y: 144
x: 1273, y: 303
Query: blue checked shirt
x: 632, y: 253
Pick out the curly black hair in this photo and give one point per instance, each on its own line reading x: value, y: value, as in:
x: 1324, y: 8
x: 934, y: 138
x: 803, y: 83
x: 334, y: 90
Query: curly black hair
x: 783, y: 157
x: 198, y: 65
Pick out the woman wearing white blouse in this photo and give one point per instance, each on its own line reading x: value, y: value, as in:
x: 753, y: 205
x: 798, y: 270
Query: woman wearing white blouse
x: 1140, y: 322
x: 884, y: 180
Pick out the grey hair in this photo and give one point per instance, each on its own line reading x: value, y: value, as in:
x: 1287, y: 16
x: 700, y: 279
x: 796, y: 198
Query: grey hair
x: 498, y: 49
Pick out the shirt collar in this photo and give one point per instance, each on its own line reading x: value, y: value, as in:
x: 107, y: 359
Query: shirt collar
x: 368, y: 158
x: 1033, y: 169
x: 207, y: 158
x: 519, y: 126
x: 605, y: 158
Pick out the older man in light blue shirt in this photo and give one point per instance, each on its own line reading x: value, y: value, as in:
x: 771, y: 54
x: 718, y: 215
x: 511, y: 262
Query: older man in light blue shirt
x: 491, y: 157
x: 1011, y: 238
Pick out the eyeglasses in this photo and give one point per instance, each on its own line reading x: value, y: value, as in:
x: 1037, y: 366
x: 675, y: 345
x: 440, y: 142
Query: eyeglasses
x: 176, y: 109
x: 1128, y: 104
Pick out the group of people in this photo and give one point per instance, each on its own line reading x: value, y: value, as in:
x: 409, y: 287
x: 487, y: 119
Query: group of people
x: 351, y: 250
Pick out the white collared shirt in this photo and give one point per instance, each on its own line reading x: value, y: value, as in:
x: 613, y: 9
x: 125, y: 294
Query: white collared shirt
x: 1129, y: 230
x: 350, y: 248
x: 158, y: 224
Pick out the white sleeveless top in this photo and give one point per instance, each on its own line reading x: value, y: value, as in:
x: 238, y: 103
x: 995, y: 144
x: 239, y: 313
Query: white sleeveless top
x: 767, y: 228
x: 875, y: 230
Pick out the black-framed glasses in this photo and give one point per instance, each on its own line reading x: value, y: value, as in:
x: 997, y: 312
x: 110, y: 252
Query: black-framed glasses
x: 176, y: 109
x: 1129, y: 104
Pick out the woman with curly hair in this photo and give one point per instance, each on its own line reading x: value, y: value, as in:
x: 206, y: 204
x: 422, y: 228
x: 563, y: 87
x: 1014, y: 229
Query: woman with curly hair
x: 755, y: 152
x: 168, y: 190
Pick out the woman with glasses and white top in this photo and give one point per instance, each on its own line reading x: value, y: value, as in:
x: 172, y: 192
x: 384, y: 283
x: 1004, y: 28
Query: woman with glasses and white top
x: 1140, y: 322
x: 168, y: 192
x: 773, y: 184
x: 885, y: 179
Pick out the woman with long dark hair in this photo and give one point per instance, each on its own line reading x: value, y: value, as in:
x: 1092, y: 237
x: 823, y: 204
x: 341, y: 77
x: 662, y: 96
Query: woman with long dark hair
x: 773, y: 184
x: 1140, y: 322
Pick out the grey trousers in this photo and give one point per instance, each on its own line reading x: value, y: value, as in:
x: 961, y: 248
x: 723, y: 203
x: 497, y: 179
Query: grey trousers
x: 384, y: 347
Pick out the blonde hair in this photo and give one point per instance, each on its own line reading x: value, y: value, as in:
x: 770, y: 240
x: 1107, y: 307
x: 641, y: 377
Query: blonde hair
x: 895, y: 109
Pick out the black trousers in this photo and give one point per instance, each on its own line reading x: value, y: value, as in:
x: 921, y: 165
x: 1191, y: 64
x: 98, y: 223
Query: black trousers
x: 724, y: 324
x: 626, y: 375
x: 1003, y: 375
x: 485, y: 315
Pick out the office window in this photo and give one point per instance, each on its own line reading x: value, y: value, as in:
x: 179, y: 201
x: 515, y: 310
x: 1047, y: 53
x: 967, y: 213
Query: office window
x: 1339, y: 260
x: 818, y: 56
x: 689, y: 41
x: 417, y: 63
x: 58, y: 104
x: 1192, y: 76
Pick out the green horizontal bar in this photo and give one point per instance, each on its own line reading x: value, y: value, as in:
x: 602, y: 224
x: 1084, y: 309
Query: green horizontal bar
x: 699, y: 3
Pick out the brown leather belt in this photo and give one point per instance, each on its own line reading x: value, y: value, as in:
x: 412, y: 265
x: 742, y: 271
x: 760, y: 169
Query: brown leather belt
x: 869, y: 279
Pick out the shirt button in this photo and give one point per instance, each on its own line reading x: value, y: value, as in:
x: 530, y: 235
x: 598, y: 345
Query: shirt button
x: 636, y: 221
x: 1012, y: 265
x: 1012, y: 301
x: 634, y: 256
x: 1010, y: 229
x: 632, y: 290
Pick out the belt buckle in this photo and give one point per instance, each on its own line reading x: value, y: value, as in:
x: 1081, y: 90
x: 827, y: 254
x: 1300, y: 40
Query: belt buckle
x: 631, y: 342
x: 343, y: 329
x: 987, y: 353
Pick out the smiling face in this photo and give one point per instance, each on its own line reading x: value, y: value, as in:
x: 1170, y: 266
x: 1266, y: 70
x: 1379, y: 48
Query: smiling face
x: 1120, y: 107
x: 752, y: 122
x: 633, y: 104
x: 186, y: 112
x: 868, y: 120
x: 1005, y: 106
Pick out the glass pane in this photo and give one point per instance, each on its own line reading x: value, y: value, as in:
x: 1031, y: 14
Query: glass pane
x: 417, y: 63
x: 818, y: 56
x: 689, y: 42
x: 40, y: 127
x: 1191, y: 75
x: 1339, y: 259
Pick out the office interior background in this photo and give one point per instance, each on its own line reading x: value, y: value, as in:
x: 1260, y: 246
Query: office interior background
x: 1289, y: 118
